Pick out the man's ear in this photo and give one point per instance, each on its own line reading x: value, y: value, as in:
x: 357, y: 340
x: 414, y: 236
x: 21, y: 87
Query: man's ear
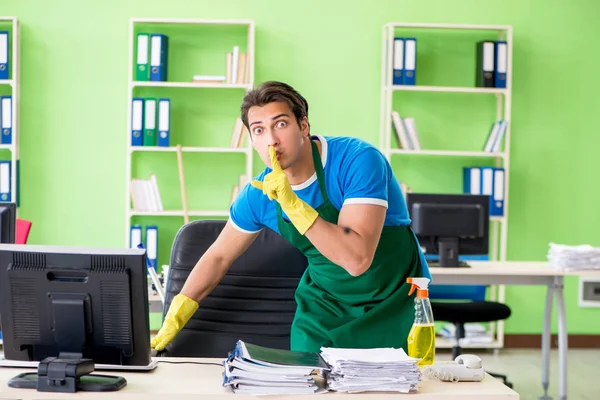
x: 305, y: 126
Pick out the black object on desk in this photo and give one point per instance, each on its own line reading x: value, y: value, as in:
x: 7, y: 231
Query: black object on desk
x: 450, y: 224
x: 71, y: 308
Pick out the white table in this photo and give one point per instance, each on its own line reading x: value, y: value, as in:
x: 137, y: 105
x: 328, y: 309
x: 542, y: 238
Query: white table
x: 193, y: 382
x: 522, y: 273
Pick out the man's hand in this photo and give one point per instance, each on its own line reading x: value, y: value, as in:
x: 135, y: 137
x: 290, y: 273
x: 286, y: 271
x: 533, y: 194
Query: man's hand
x: 277, y: 187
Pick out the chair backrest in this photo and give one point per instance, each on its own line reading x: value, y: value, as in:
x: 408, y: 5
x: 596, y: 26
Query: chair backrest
x: 254, y: 302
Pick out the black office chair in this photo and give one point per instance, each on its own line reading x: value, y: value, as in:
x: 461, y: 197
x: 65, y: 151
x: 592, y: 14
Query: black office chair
x: 460, y: 313
x: 254, y: 302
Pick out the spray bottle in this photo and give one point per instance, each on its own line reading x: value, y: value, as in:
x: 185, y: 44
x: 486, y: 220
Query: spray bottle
x: 421, y: 338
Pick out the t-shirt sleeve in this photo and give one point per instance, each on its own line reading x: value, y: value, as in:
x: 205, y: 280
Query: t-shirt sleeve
x: 242, y: 215
x: 366, y: 178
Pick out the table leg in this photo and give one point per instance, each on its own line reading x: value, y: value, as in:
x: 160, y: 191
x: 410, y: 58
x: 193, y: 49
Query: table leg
x: 563, y: 345
x: 546, y: 342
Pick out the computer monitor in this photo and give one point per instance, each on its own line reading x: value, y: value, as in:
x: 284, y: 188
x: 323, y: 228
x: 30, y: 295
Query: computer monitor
x: 8, y: 222
x: 450, y: 225
x: 71, y: 308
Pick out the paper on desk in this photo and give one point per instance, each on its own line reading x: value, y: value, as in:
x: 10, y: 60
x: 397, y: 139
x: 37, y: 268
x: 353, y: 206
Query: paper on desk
x: 378, y: 369
x: 573, y: 258
x: 378, y: 355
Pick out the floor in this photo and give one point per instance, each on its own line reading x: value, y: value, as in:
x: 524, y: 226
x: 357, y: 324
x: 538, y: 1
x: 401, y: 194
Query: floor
x: 523, y: 368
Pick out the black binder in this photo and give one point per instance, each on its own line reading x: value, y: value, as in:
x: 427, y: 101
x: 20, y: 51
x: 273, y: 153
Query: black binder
x: 485, y: 64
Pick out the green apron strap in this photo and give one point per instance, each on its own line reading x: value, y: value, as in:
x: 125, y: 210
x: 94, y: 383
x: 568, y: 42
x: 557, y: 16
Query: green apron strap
x: 319, y: 170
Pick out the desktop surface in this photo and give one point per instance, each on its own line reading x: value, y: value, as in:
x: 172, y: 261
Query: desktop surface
x: 186, y: 378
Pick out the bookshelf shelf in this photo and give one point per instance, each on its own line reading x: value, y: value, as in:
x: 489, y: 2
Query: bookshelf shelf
x: 239, y: 59
x: 502, y: 28
x: 498, y: 156
x: 9, y: 82
x: 448, y: 153
x: 192, y: 21
x: 243, y: 150
x: 192, y: 85
x: 180, y: 213
x: 449, y: 89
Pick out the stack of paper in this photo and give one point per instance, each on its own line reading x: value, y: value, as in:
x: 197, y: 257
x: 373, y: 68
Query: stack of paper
x: 572, y: 258
x: 259, y: 370
x: 380, y: 369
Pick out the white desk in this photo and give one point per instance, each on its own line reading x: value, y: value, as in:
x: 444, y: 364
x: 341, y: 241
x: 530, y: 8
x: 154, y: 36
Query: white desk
x: 190, y: 381
x: 522, y: 273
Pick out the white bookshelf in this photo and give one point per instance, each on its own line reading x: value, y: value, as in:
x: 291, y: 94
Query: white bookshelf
x: 245, y: 151
x: 499, y: 225
x: 14, y: 84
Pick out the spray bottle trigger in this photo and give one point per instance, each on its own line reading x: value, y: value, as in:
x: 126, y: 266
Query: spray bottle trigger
x: 412, y: 289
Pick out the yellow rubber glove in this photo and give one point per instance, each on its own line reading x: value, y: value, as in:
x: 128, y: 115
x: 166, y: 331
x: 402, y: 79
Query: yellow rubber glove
x: 180, y: 311
x: 277, y: 187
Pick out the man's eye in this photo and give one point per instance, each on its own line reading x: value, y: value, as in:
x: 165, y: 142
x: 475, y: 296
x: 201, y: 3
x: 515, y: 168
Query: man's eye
x: 257, y: 131
x: 281, y: 124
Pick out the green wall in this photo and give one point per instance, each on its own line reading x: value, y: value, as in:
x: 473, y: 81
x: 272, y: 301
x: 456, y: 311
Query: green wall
x: 74, y: 109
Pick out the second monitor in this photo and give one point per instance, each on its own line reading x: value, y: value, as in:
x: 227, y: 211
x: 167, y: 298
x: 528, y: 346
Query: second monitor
x: 449, y: 225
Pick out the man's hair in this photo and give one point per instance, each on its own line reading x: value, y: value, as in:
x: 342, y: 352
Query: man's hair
x: 273, y: 91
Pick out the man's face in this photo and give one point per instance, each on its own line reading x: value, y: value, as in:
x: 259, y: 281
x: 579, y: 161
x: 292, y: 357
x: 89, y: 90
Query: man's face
x: 274, y: 124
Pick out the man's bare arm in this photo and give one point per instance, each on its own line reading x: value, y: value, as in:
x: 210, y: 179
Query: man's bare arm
x: 351, y: 243
x: 215, y: 262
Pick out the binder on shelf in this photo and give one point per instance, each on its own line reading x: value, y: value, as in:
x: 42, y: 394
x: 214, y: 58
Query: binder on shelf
x: 164, y: 119
x: 5, y: 194
x: 484, y: 74
x: 486, y: 181
x: 137, y: 121
x: 398, y: 61
x: 500, y: 64
x: 410, y: 61
x: 6, y: 116
x: 142, y: 71
x: 149, y: 138
x: 159, y: 55
x: 135, y: 236
x: 487, y: 184
x: 4, y: 58
x: 152, y: 245
x: 472, y: 180
x: 497, y: 203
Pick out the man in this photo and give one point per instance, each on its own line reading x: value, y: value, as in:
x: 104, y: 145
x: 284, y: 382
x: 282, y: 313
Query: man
x: 335, y: 199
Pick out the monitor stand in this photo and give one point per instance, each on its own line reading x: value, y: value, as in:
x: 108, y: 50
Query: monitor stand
x: 68, y: 375
x: 448, y: 252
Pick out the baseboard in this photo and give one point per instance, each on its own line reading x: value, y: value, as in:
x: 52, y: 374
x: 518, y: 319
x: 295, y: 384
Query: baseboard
x: 523, y: 341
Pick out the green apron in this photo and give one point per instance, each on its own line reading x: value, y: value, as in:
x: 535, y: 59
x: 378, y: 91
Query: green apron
x: 336, y: 309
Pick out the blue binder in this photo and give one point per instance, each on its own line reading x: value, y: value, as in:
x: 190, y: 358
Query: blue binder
x: 6, y: 116
x: 410, y: 61
x: 5, y: 181
x: 135, y: 236
x: 4, y: 55
x: 159, y: 54
x: 472, y: 180
x: 152, y: 245
x: 398, y: 61
x: 137, y: 121
x: 500, y: 63
x: 497, y: 201
x: 164, y: 122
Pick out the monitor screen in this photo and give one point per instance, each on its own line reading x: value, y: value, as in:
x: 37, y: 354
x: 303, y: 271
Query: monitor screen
x: 8, y: 218
x: 74, y: 303
x: 450, y: 225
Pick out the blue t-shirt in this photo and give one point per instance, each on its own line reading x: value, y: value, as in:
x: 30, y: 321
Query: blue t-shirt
x: 356, y: 172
